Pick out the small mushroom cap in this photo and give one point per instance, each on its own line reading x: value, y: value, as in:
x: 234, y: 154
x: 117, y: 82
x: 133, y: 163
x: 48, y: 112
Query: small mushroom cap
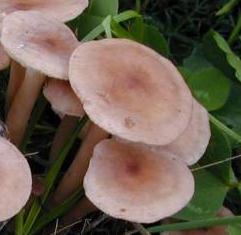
x: 62, y: 98
x: 39, y: 42
x: 192, y: 143
x: 60, y: 9
x: 4, y: 58
x: 15, y: 180
x: 130, y: 90
x: 134, y: 184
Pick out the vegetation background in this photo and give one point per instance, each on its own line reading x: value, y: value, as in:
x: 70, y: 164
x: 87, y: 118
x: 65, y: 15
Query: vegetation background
x: 202, y: 37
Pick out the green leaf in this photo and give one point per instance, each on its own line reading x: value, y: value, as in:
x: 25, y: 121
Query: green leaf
x: 96, y: 14
x: 220, y: 54
x: 227, y: 7
x: 210, y: 86
x: 230, y: 113
x: 107, y: 26
x: 95, y: 28
x: 208, y: 197
x: 103, y: 8
x: 203, y: 223
x: 150, y: 36
x: 234, y: 230
x: 219, y: 149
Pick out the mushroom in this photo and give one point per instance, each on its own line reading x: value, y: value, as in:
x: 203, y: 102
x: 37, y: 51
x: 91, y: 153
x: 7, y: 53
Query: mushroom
x: 41, y: 44
x: 218, y: 230
x: 192, y: 143
x: 130, y: 91
x: 15, y: 180
x: 66, y: 104
x: 73, y: 178
x: 59, y: 9
x: 62, y: 10
x: 135, y: 184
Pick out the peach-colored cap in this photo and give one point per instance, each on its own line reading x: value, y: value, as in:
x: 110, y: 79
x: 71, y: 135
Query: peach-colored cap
x: 131, y: 91
x: 15, y: 180
x: 63, y: 10
x: 4, y: 58
x: 39, y: 42
x: 192, y: 143
x: 62, y: 98
x: 135, y: 184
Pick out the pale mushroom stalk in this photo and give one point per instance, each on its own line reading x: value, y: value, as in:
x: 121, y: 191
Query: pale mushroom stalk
x: 83, y: 208
x: 74, y: 176
x: 22, y: 105
x: 66, y: 104
x: 42, y: 45
x: 66, y: 127
x: 17, y: 73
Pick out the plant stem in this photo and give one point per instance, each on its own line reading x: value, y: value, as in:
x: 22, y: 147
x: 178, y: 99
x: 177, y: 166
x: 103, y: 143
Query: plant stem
x: 19, y: 223
x: 225, y: 129
x: 235, y: 32
x: 51, y: 178
x: 204, y: 223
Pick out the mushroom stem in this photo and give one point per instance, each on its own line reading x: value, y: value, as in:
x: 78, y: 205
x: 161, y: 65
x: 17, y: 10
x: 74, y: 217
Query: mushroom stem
x: 66, y: 127
x: 83, y: 208
x: 17, y: 73
x: 22, y: 105
x: 74, y: 176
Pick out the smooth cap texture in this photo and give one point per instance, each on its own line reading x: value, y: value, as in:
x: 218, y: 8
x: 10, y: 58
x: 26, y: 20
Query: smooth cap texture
x: 62, y: 98
x: 63, y: 10
x: 130, y: 90
x: 192, y: 144
x: 15, y: 180
x: 39, y: 42
x: 134, y: 184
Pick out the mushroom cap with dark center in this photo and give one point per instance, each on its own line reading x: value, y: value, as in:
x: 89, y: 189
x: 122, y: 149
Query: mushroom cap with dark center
x: 130, y: 90
x: 192, y: 143
x: 60, y: 9
x: 62, y: 98
x: 135, y: 184
x: 39, y: 42
x: 15, y: 180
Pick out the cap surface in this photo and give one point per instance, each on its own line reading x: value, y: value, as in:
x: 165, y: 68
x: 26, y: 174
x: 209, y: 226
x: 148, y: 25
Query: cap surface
x: 39, y: 42
x: 137, y: 185
x: 4, y: 58
x: 130, y: 91
x: 15, y: 180
x: 60, y: 9
x: 62, y: 98
x: 192, y: 143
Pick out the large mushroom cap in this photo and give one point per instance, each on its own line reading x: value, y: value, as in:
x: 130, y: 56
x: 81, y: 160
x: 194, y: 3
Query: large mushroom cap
x: 130, y: 91
x: 15, y: 180
x: 134, y: 184
x: 39, y: 42
x: 192, y: 143
x: 63, y: 10
x: 62, y: 98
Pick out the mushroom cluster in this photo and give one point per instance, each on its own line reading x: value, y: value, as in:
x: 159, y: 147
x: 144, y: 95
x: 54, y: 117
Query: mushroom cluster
x: 129, y: 92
